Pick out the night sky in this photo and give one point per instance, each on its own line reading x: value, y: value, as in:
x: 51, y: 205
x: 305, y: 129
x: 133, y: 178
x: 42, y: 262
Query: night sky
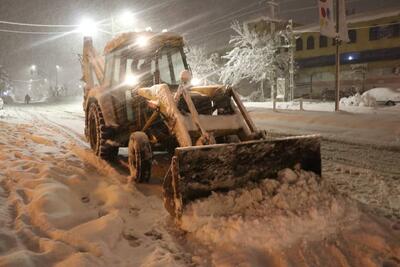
x: 201, y: 22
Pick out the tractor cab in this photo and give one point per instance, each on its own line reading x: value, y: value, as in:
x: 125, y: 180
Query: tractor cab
x: 135, y: 60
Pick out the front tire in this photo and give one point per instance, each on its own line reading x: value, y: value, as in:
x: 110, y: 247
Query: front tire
x: 140, y: 157
x: 98, y: 134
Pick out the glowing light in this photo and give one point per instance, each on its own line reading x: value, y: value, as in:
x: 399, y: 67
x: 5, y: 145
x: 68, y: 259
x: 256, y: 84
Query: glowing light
x: 142, y: 41
x: 131, y: 80
x: 149, y: 29
x: 350, y: 58
x: 126, y: 19
x: 88, y: 27
x: 58, y: 67
x: 33, y: 67
x: 196, y: 81
x: 165, y: 30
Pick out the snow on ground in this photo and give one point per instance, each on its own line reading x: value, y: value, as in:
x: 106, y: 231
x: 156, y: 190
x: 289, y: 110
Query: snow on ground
x: 324, y: 106
x: 62, y: 206
x: 295, y: 221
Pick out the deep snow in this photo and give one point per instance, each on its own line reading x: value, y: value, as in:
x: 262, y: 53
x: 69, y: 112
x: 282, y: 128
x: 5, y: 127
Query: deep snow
x: 62, y: 206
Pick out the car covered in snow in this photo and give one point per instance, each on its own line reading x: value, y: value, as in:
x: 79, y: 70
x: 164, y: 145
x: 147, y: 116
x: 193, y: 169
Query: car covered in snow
x: 385, y: 96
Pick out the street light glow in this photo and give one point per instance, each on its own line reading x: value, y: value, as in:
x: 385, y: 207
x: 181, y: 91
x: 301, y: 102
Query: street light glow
x: 33, y: 67
x: 58, y: 67
x: 88, y: 27
x: 126, y: 19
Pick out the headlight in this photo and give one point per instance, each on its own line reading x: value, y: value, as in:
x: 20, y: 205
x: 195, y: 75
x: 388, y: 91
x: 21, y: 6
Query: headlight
x: 131, y: 80
x: 196, y: 81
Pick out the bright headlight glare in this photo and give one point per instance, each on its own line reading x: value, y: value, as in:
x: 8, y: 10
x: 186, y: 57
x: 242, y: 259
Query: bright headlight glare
x: 131, y: 80
x: 195, y: 81
x: 142, y: 41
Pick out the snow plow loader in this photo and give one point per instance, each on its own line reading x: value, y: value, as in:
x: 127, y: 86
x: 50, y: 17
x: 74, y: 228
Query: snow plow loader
x: 139, y: 95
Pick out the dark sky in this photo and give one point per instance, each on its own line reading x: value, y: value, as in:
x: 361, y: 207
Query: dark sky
x: 201, y: 21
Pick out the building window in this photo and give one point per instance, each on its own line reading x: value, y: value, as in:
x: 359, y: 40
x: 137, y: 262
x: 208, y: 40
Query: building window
x: 353, y: 36
x: 374, y: 33
x: 299, y: 44
x: 323, y: 41
x: 395, y: 29
x: 310, y: 42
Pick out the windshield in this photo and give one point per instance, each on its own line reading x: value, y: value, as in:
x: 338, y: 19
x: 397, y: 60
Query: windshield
x: 171, y: 63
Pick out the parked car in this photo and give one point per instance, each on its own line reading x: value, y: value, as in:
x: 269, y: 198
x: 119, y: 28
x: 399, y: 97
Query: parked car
x: 385, y: 96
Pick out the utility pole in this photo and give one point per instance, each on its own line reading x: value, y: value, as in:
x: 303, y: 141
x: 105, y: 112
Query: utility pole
x: 273, y: 14
x: 337, y: 76
x: 291, y: 60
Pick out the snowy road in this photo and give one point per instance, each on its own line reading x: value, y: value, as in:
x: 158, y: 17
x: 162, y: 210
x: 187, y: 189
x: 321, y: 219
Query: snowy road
x: 62, y: 206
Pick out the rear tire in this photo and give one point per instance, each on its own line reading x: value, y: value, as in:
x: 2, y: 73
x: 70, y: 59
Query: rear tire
x: 390, y: 103
x: 140, y: 157
x: 98, y: 134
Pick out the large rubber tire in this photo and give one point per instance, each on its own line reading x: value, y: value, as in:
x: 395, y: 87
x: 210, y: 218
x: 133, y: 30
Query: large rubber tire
x: 140, y: 157
x: 390, y: 103
x: 98, y: 134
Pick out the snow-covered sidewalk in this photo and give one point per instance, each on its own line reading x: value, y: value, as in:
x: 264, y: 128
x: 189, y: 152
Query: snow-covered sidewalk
x: 375, y: 126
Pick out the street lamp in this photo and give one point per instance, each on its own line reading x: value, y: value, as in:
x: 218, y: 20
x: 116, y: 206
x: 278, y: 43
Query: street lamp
x: 126, y: 19
x: 88, y: 27
x: 57, y: 69
x: 124, y: 22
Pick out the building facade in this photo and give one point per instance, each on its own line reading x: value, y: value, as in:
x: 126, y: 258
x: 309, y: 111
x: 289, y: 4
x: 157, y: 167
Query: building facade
x: 371, y: 59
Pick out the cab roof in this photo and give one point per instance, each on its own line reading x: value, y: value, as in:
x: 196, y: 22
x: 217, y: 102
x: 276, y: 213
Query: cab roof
x: 154, y: 39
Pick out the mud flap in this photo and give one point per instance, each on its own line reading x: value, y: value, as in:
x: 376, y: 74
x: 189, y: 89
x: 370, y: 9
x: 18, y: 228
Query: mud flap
x: 196, y: 172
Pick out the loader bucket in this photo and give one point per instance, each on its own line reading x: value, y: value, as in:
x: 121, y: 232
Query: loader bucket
x: 197, y: 171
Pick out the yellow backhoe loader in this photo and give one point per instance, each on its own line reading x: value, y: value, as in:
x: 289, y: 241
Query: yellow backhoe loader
x: 139, y: 95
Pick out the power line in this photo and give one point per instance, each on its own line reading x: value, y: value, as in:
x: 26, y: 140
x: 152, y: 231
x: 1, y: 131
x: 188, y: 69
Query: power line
x: 37, y: 33
x: 37, y: 25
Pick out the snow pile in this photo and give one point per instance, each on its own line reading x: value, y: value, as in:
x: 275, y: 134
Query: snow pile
x: 269, y: 216
x: 296, y: 218
x: 365, y: 100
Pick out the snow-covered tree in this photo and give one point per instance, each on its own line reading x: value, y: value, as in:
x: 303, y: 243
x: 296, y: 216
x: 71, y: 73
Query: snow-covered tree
x: 252, y: 56
x: 255, y: 56
x: 204, y: 67
x: 5, y: 84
